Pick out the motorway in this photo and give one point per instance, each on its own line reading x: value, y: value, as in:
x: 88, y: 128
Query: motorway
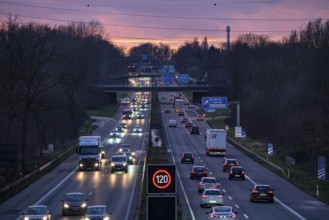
x: 120, y: 191
x: 290, y: 202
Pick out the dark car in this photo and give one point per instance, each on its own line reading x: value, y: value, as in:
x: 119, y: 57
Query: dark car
x: 261, y: 193
x: 181, y: 113
x: 228, y: 163
x: 187, y: 157
x: 188, y: 124
x: 198, y: 172
x: 74, y: 203
x: 167, y: 110
x: 183, y: 120
x: 236, y: 172
x: 195, y: 130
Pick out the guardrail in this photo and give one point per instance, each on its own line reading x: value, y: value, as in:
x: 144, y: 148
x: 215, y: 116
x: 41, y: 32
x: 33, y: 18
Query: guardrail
x: 15, y: 185
x: 236, y: 144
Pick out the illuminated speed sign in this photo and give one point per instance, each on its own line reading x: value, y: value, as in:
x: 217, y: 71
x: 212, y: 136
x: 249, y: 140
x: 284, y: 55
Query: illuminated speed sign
x: 161, y: 179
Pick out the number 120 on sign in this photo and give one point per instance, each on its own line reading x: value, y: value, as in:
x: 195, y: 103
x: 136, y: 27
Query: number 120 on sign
x: 161, y: 179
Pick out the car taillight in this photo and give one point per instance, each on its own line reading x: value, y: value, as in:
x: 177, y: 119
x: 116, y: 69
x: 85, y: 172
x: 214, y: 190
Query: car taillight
x: 204, y: 196
x: 216, y: 184
x: 219, y: 196
x: 255, y: 191
x: 213, y: 216
x: 193, y: 171
x: 202, y: 184
x: 232, y: 215
x: 270, y: 192
x: 242, y: 172
x: 231, y: 171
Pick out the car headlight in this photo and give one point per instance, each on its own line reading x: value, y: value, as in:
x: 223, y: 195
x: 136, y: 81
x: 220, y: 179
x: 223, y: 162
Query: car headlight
x: 66, y: 205
x: 130, y: 158
x: 87, y: 218
x: 125, y: 164
x: 96, y: 164
x: 26, y: 218
x: 106, y: 218
x: 44, y: 217
x: 112, y: 164
x: 81, y: 164
x: 83, y: 205
x: 133, y: 153
x: 120, y: 149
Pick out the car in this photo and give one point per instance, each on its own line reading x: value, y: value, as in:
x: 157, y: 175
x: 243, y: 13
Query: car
x: 183, y: 120
x: 228, y: 163
x: 97, y: 212
x: 208, y: 183
x: 120, y: 129
x: 190, y: 106
x: 37, y: 212
x: 172, y: 123
x: 102, y: 152
x: 181, y: 113
x: 130, y: 157
x: 199, y: 118
x: 198, y: 172
x: 140, y: 116
x: 188, y: 124
x: 137, y: 129
x: 163, y: 97
x: 126, y: 148
x: 261, y: 192
x: 119, y: 162
x: 211, y: 197
x: 221, y: 212
x: 187, y: 157
x: 74, y: 203
x: 236, y: 172
x: 123, y: 125
x: 195, y: 130
x: 114, y: 134
x: 167, y: 110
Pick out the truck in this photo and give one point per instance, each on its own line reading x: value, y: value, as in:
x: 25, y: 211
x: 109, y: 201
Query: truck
x: 127, y: 113
x: 215, y: 142
x: 178, y: 103
x: 89, y: 150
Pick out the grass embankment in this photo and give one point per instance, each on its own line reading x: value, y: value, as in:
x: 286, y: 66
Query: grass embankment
x: 298, y: 175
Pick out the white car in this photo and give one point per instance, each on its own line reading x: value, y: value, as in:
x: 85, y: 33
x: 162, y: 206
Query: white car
x: 97, y: 212
x: 37, y: 212
x: 211, y: 197
x: 172, y: 123
x: 137, y: 129
x: 221, y: 212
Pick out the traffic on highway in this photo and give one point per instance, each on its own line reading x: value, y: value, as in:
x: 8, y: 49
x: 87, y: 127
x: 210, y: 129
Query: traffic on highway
x: 103, y: 178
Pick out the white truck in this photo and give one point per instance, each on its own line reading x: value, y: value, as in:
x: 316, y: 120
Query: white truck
x: 216, y: 142
x: 89, y: 150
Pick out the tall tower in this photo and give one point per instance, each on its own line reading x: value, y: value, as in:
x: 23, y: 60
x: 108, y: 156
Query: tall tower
x: 228, y: 29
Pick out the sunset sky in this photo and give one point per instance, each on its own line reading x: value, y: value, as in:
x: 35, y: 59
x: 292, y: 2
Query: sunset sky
x: 172, y: 22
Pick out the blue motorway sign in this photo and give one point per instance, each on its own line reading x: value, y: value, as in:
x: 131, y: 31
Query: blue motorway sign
x: 183, y: 78
x: 321, y: 167
x: 167, y: 78
x: 214, y: 102
x: 270, y: 149
x: 244, y: 135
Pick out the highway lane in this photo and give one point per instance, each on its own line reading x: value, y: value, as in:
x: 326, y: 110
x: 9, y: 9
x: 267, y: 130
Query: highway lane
x: 119, y: 191
x: 290, y: 202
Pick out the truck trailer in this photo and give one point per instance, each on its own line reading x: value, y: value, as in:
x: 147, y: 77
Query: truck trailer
x: 216, y: 142
x: 89, y: 150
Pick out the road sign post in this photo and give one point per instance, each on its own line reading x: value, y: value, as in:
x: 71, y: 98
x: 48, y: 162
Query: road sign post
x: 321, y: 167
x: 238, y: 131
x: 161, y: 207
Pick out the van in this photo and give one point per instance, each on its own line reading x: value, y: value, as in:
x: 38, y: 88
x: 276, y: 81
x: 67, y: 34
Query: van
x: 172, y: 123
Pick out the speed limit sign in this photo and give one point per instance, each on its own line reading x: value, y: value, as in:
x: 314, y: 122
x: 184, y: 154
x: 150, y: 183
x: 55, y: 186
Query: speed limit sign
x: 161, y: 179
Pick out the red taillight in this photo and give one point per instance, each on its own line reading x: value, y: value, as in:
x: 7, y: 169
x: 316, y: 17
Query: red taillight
x: 216, y: 184
x: 270, y: 192
x: 193, y: 172
x: 232, y: 215
x: 255, y: 191
x: 213, y: 216
x: 242, y: 172
x: 231, y: 171
x: 205, y: 172
x: 204, y: 196
x: 202, y: 184
x: 219, y: 196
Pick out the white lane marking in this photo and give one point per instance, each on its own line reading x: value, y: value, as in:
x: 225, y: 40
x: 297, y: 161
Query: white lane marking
x: 236, y: 205
x: 246, y: 216
x: 90, y: 194
x: 180, y: 181
x: 56, y: 187
x: 131, y: 196
x: 210, y: 173
x: 230, y: 197
x: 281, y: 203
